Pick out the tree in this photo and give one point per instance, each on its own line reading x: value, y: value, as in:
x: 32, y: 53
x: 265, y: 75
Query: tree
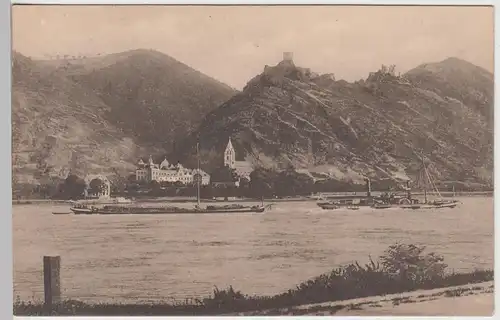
x: 178, y: 184
x: 223, y: 174
x: 292, y: 183
x: 166, y: 184
x: 244, y: 183
x: 155, y: 188
x: 49, y: 188
x: 333, y: 185
x: 154, y: 185
x: 262, y: 182
x: 131, y: 178
x: 118, y: 184
x: 73, y: 187
x: 97, y: 186
x: 206, y: 192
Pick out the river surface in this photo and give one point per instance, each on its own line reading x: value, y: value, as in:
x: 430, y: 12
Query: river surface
x: 158, y: 257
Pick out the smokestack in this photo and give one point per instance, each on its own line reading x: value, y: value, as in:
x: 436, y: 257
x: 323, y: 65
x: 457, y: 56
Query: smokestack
x: 408, y: 189
x: 368, y: 187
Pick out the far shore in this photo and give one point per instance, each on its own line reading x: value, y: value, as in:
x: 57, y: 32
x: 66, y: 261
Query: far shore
x: 287, y: 199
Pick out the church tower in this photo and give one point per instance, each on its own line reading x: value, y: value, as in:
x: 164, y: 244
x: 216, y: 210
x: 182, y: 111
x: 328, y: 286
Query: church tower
x: 229, y: 155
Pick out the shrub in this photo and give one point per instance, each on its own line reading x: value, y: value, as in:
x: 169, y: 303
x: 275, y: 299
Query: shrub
x: 407, y: 263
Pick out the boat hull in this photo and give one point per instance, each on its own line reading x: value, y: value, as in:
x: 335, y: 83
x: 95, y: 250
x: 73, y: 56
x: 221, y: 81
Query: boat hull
x: 416, y: 206
x: 148, y: 211
x: 349, y: 206
x: 439, y: 206
x: 328, y: 206
x: 384, y: 206
x: 81, y: 210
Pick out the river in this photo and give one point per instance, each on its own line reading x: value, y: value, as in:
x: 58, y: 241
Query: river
x: 153, y: 257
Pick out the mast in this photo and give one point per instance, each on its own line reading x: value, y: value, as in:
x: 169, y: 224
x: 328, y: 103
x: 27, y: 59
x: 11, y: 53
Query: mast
x: 408, y: 190
x: 368, y: 187
x: 425, y: 184
x: 198, y: 175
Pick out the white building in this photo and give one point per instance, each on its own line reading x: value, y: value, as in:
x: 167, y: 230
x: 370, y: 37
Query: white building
x: 242, y: 168
x: 165, y: 171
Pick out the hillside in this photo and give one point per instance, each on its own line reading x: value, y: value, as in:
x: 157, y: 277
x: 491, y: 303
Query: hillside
x: 458, y: 79
x: 100, y: 114
x: 374, y: 127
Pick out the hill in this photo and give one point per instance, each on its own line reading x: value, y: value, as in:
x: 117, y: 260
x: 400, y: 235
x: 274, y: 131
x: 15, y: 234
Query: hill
x: 376, y: 127
x: 458, y: 79
x: 100, y: 114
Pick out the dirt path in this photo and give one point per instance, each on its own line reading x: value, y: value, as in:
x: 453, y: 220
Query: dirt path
x: 467, y: 300
x: 477, y: 305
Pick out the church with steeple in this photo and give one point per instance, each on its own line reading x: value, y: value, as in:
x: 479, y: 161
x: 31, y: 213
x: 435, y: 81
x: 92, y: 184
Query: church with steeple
x: 242, y: 168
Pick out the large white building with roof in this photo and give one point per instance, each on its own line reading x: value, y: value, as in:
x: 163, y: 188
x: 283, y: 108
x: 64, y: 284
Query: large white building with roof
x: 150, y: 171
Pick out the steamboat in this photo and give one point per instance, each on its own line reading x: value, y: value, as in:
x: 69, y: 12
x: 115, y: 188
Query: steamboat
x: 389, y: 201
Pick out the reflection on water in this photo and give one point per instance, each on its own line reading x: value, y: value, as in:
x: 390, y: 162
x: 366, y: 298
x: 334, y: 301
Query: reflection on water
x: 130, y: 258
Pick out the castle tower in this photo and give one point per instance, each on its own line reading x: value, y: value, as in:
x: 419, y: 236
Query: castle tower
x: 229, y: 155
x: 287, y: 56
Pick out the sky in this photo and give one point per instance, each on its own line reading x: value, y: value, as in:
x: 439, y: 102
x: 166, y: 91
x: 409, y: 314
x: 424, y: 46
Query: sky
x: 234, y: 43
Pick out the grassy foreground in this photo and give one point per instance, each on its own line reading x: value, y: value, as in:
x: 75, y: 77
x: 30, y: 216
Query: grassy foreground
x: 402, y: 268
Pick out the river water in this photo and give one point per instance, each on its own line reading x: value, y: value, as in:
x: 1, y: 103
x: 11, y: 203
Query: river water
x: 158, y: 257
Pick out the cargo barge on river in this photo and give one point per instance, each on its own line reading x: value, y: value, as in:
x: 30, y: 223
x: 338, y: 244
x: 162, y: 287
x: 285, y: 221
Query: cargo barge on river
x: 115, y: 210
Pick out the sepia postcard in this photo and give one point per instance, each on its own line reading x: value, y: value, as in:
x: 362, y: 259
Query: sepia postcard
x: 252, y: 160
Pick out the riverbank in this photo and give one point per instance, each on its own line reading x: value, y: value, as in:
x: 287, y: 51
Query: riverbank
x: 289, y: 199
x: 337, y: 290
x: 466, y: 300
x: 38, y: 201
x: 475, y: 298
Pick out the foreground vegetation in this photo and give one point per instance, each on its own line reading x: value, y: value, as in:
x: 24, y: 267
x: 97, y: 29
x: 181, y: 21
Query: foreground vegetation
x: 401, y: 268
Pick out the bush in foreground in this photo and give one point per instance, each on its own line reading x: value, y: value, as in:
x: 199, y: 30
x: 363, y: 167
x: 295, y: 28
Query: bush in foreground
x: 401, y: 268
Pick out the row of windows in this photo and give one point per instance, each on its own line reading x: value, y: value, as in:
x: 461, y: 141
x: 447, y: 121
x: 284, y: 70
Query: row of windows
x: 168, y: 174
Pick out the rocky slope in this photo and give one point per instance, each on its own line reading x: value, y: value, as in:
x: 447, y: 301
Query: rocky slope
x: 374, y: 127
x: 100, y: 114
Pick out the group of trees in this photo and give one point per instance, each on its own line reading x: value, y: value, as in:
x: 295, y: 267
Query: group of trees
x: 71, y: 188
x: 267, y: 183
x: 74, y: 187
x: 263, y: 182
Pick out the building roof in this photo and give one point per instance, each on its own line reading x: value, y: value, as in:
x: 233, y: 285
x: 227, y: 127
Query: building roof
x: 164, y: 164
x: 243, y: 165
x: 229, y: 144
